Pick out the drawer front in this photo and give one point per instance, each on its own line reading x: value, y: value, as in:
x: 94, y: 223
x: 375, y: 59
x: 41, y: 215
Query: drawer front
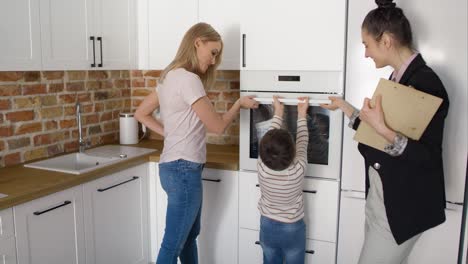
x: 7, y: 250
x: 250, y: 250
x: 6, y: 223
x: 321, y: 209
x: 320, y: 252
x: 320, y: 203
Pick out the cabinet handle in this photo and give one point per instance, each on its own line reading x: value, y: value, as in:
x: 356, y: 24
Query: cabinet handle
x: 306, y: 191
x: 50, y: 209
x: 110, y: 187
x: 257, y: 242
x: 217, y: 180
x: 310, y: 251
x: 100, y: 42
x: 455, y: 203
x: 243, y: 50
x: 94, y: 51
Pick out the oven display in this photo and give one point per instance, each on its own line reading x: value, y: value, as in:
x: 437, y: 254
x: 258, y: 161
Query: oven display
x: 318, y: 123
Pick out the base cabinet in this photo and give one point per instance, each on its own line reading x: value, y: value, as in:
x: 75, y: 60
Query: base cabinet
x: 116, y: 218
x: 218, y: 239
x: 7, y: 237
x: 250, y: 251
x: 49, y: 230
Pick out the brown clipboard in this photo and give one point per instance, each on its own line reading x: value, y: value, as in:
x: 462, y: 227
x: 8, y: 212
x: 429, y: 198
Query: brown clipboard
x: 406, y: 110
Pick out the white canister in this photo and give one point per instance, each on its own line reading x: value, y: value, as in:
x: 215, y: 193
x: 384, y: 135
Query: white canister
x: 128, y: 129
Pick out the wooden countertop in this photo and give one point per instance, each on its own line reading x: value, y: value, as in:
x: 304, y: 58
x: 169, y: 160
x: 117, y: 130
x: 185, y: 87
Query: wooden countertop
x: 23, y: 184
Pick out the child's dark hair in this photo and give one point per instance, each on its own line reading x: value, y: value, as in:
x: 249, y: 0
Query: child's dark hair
x: 388, y: 18
x: 277, y: 149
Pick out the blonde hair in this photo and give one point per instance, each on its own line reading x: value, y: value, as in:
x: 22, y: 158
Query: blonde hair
x: 186, y: 56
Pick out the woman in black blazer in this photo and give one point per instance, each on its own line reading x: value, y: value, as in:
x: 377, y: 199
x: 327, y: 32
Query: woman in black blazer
x: 405, y: 193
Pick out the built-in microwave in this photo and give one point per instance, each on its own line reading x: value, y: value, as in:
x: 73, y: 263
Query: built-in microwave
x: 324, y: 126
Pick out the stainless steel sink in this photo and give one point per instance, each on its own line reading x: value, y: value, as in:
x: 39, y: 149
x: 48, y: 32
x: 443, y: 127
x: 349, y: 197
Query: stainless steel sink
x: 77, y: 163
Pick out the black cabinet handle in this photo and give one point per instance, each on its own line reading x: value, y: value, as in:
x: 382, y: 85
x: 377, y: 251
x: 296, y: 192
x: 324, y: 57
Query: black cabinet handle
x: 100, y: 42
x: 217, y: 180
x: 243, y: 50
x: 94, y: 51
x: 307, y: 191
x: 110, y: 187
x: 257, y: 185
x: 257, y: 242
x: 310, y: 251
x: 50, y: 209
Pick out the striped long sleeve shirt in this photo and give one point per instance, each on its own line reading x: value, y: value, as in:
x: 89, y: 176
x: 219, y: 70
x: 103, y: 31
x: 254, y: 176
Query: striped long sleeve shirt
x: 281, y: 191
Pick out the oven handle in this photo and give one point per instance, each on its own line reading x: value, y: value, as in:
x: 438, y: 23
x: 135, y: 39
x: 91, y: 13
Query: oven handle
x: 292, y: 101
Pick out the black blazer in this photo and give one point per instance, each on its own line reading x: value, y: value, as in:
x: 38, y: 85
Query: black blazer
x: 413, y: 183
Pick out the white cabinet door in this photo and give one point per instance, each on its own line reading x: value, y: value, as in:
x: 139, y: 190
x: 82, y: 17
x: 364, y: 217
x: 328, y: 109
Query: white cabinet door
x: 219, y: 221
x: 20, y: 48
x: 351, y: 227
x: 224, y: 16
x: 8, y: 251
x: 250, y: 250
x: 218, y: 239
x: 116, y: 217
x: 115, y: 24
x: 320, y: 206
x: 293, y: 35
x: 66, y: 28
x: 320, y: 252
x: 49, y: 230
x: 168, y: 22
x: 74, y: 32
x: 440, y: 244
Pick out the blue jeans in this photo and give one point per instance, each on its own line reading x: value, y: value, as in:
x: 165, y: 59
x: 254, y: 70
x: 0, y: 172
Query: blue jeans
x: 181, y: 180
x: 282, y: 241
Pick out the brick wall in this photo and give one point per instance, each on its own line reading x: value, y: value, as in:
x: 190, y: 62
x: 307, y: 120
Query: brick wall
x: 37, y: 109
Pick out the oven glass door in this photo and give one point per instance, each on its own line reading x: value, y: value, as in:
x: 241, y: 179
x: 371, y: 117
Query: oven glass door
x: 318, y: 124
x: 324, y: 148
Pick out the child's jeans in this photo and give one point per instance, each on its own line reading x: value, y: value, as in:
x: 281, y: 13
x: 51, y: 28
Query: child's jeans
x: 181, y: 180
x: 282, y: 241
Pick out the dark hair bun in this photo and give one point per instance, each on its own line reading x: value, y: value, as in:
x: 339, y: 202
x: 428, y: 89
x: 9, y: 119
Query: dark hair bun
x: 385, y: 3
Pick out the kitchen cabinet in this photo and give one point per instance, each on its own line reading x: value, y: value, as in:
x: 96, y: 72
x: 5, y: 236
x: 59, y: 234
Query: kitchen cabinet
x: 298, y: 35
x: 351, y: 227
x: 168, y: 22
x: 224, y: 16
x: 88, y: 34
x: 20, y: 48
x: 320, y: 206
x: 50, y: 229
x: 7, y: 237
x: 218, y: 238
x: 250, y: 250
x: 116, y: 217
x: 180, y: 15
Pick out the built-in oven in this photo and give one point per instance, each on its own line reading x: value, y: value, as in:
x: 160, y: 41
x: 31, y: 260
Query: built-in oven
x: 324, y: 126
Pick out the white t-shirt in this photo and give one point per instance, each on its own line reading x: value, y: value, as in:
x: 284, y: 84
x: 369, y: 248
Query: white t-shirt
x: 184, y: 132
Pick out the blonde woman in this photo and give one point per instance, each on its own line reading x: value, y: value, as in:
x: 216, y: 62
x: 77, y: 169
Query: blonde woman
x: 186, y: 115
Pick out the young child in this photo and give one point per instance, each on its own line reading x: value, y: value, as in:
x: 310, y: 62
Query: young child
x: 281, y: 169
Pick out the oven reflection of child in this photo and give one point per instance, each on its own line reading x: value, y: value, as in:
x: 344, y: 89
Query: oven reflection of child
x: 281, y: 168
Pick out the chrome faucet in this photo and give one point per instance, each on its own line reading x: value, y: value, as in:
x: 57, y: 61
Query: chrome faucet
x: 82, y: 144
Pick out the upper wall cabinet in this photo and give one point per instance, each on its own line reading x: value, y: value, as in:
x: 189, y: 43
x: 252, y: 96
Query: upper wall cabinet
x: 87, y: 34
x: 169, y: 20
x: 293, y: 35
x: 20, y: 48
x: 224, y: 17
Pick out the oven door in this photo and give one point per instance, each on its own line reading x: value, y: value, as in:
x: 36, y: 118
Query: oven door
x: 325, y: 130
